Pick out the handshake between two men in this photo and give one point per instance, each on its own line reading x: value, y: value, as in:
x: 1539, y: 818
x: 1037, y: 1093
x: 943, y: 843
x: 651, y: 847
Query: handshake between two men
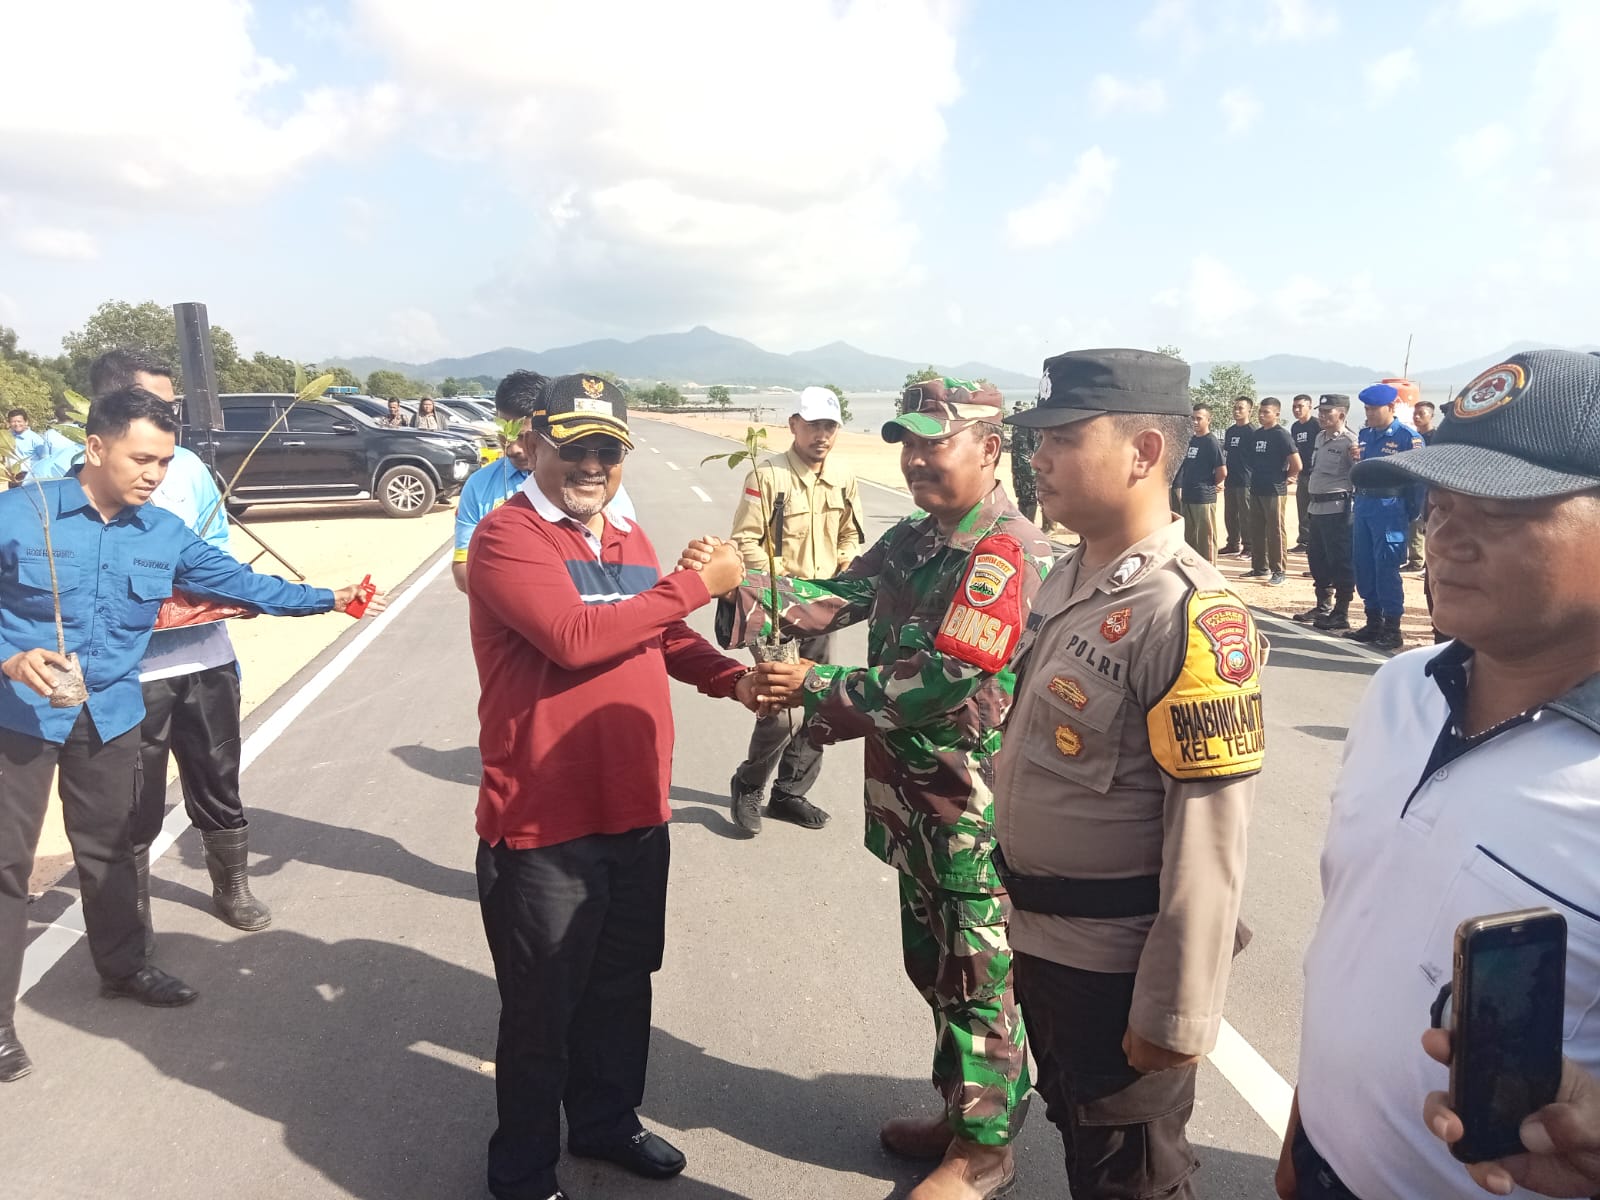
x: 771, y: 686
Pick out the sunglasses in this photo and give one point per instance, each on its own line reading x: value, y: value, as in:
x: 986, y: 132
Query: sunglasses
x: 610, y: 453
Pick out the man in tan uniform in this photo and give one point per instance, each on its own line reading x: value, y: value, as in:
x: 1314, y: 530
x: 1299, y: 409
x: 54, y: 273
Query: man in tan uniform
x: 1124, y: 784
x: 820, y: 532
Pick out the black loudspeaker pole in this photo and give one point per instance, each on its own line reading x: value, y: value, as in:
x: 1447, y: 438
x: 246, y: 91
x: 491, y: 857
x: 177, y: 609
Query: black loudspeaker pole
x: 203, y: 408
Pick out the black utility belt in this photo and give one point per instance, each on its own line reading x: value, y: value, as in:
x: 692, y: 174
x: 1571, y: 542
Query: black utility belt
x: 1331, y: 498
x: 1097, y: 899
x: 1381, y: 493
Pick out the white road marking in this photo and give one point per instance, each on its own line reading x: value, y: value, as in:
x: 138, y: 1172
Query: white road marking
x: 1253, y: 1078
x: 46, y: 949
x: 672, y: 466
x: 701, y: 492
x: 653, y: 450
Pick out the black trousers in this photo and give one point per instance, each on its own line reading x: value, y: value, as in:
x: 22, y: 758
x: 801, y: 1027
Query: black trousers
x: 196, y: 718
x: 1329, y: 552
x: 1236, y: 515
x: 575, y: 930
x: 94, y: 805
x: 799, y: 762
x: 1302, y: 501
x: 1124, y: 1132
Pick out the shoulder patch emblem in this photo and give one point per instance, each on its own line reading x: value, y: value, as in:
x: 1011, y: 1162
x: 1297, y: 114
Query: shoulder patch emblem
x: 1115, y: 627
x: 1068, y: 741
x: 1069, y: 690
x: 814, y: 682
x: 1209, y: 723
x: 984, y: 620
x: 1495, y: 388
x: 987, y: 579
x: 1127, y: 569
x: 1227, y: 628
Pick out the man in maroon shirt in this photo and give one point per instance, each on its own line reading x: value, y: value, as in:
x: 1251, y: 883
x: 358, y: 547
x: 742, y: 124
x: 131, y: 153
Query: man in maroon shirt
x: 575, y: 632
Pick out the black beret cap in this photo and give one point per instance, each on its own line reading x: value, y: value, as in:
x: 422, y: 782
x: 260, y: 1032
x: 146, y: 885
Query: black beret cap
x: 1086, y: 383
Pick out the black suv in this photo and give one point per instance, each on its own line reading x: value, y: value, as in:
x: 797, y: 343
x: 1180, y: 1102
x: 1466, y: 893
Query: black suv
x: 326, y: 449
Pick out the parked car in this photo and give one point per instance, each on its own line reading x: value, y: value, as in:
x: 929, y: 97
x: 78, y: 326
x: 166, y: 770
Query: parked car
x: 472, y: 415
x: 330, y: 449
x: 378, y: 410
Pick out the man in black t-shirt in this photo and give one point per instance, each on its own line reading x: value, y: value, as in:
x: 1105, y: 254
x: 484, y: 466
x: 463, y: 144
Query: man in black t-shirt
x: 1273, y: 463
x: 1236, y: 442
x: 1203, y: 469
x: 1304, y: 431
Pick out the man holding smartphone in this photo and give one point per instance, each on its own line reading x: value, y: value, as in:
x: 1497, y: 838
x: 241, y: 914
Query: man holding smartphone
x: 1477, y: 789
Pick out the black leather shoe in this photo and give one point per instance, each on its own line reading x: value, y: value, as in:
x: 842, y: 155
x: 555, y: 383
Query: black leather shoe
x: 645, y: 1154
x: 797, y: 810
x: 152, y: 986
x: 14, y: 1062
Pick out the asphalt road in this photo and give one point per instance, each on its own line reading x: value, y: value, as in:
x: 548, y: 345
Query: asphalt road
x: 341, y: 1053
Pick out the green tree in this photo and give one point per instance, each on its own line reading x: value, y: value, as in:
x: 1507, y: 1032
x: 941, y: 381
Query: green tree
x: 662, y: 395
x: 718, y: 394
x: 1171, y: 352
x: 388, y: 385
x: 342, y: 376
x: 148, y: 326
x: 844, y: 405
x: 22, y: 387
x: 1219, y: 389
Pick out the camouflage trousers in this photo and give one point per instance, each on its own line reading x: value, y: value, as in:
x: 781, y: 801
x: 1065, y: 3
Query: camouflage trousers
x: 958, y: 955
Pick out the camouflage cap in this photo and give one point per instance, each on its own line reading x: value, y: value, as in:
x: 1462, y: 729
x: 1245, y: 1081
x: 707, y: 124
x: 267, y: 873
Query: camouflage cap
x: 936, y: 408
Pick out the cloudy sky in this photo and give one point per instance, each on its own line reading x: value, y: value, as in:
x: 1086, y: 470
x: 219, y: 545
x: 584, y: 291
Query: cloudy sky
x: 997, y: 179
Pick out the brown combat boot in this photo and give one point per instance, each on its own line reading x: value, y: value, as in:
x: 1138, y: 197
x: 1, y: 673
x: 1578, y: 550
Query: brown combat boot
x: 969, y: 1172
x: 917, y: 1137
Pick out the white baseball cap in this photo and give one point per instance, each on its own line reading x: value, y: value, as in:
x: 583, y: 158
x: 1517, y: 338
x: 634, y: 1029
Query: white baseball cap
x: 817, y: 404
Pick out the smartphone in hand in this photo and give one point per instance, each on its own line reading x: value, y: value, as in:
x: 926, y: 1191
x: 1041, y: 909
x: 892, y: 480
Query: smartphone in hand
x: 1508, y: 995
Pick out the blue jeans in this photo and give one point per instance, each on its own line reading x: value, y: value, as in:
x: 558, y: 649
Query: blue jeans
x: 1378, y: 550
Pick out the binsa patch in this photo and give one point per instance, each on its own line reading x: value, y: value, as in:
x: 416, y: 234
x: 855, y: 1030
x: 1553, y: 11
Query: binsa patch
x: 1208, y: 724
x: 985, y: 616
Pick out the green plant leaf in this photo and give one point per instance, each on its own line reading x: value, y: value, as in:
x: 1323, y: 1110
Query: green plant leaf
x: 310, y: 391
x: 300, y: 379
x: 73, y: 433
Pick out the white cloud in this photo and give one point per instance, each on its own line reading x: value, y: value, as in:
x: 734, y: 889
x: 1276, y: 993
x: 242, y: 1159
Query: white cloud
x: 1108, y: 94
x: 1564, y: 116
x: 46, y: 241
x: 1241, y: 108
x: 1297, y: 21
x: 1386, y: 76
x: 1481, y: 13
x: 407, y: 335
x: 1483, y: 150
x: 195, y: 131
x: 1065, y: 208
x: 656, y: 181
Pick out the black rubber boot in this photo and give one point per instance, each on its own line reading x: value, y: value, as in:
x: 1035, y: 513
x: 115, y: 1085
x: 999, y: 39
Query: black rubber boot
x: 1323, y: 607
x: 1389, y: 637
x: 141, y: 870
x: 1339, y: 618
x: 1368, y: 632
x: 227, y: 858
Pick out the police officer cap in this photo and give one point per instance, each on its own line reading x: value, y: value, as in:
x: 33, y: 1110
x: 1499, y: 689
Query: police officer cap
x: 1334, y: 400
x: 1086, y: 383
x: 1526, y: 429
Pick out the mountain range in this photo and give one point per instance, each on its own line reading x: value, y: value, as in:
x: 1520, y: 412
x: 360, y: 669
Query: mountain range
x: 704, y: 356
x: 701, y: 356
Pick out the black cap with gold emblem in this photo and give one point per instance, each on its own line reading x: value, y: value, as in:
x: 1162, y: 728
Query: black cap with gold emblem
x: 578, y: 405
x: 1086, y: 383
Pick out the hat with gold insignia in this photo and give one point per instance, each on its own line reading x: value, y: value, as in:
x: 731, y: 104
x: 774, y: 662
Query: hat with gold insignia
x: 578, y: 405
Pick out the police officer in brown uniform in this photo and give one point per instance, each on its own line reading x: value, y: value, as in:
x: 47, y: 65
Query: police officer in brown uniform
x: 1124, y: 785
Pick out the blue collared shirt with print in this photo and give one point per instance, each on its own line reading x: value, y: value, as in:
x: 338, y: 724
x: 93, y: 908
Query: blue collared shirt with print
x: 113, y: 576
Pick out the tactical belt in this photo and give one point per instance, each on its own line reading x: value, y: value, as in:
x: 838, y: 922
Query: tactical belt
x: 1329, y: 497
x: 1381, y: 493
x: 1099, y: 899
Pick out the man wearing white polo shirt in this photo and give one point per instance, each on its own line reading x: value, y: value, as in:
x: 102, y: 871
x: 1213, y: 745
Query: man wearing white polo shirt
x: 1471, y: 785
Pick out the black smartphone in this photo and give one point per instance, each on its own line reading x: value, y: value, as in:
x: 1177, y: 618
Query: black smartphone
x: 1509, y: 992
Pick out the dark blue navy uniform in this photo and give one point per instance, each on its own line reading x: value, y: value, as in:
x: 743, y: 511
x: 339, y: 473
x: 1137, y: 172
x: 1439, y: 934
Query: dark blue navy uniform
x: 1382, y: 519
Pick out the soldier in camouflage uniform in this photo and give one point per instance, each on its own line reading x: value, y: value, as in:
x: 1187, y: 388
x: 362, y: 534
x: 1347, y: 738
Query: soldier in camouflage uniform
x: 946, y: 594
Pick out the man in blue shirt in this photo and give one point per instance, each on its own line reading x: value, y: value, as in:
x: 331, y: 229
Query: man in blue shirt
x: 30, y: 445
x: 93, y: 541
x: 189, y: 679
x: 1382, y: 520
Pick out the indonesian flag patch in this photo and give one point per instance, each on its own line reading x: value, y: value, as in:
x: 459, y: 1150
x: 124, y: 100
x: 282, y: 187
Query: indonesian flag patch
x: 985, y: 615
